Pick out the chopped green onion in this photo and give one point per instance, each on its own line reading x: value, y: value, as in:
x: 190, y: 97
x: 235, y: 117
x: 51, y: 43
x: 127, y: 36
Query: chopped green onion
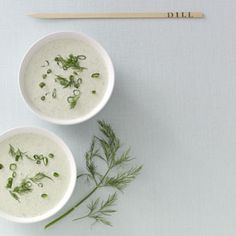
x: 49, y: 71
x: 1, y: 166
x: 9, y: 182
x: 42, y: 84
x: 95, y: 75
x: 13, y: 166
x: 45, y: 161
x: 14, y: 174
x: 51, y: 155
x: 76, y: 92
x: 44, y: 195
x: 81, y: 57
x: 55, y: 174
x: 43, y: 98
x: 29, y: 184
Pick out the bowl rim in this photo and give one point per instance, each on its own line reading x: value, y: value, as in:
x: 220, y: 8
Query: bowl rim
x: 69, y: 191
x: 64, y: 34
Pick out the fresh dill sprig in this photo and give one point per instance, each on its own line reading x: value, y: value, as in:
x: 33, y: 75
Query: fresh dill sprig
x: 70, y: 62
x: 72, y: 100
x: 39, y: 177
x: 70, y: 82
x: 121, y: 180
x: 40, y: 158
x: 16, y: 153
x: 25, y: 185
x: 37, y: 158
x: 99, y: 210
x: 104, y: 150
x: 63, y: 81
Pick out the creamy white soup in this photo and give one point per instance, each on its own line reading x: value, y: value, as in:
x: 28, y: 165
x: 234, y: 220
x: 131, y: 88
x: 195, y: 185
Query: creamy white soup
x: 34, y: 175
x: 66, y: 78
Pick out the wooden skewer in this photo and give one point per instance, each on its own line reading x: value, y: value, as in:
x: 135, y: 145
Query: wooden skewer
x: 116, y: 15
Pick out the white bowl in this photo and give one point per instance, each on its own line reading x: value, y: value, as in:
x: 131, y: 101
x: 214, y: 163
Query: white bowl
x: 72, y: 182
x: 71, y: 35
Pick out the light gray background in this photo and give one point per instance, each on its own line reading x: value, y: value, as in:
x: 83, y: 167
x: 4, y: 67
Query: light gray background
x: 174, y: 102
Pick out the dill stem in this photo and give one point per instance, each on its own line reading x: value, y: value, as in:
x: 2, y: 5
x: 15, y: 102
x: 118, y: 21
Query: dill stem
x: 78, y: 204
x: 80, y: 218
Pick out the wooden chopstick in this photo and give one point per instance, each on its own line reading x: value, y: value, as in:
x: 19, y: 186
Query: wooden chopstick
x: 116, y: 15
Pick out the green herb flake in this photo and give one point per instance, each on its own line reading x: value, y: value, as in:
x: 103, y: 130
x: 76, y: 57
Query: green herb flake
x: 15, y: 196
x: 45, y: 161
x: 14, y: 174
x: 44, y: 76
x: 55, y: 174
x: 44, y: 195
x: 24, y: 187
x: 43, y: 98
x: 63, y: 81
x: 1, y: 166
x: 9, y: 182
x: 93, y: 91
x: 95, y: 75
x: 38, y: 177
x: 72, y: 100
x: 51, y: 155
x: 49, y: 71
x: 42, y: 84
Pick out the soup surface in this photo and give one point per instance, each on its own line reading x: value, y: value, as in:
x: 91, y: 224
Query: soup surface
x: 34, y: 174
x: 66, y: 78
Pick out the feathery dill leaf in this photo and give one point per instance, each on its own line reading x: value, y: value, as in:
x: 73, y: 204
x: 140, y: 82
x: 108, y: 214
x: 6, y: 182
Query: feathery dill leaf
x: 121, y: 180
x: 15, y: 196
x: 25, y: 185
x: 100, y: 210
x: 104, y: 150
x: 23, y: 188
x: 69, y: 62
x: 39, y: 176
x: 16, y: 153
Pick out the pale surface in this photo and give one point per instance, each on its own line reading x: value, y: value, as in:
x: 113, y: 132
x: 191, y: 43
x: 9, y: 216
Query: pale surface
x: 174, y: 102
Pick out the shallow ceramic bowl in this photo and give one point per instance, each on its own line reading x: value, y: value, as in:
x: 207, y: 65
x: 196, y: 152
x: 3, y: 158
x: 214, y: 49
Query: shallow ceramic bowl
x: 72, y: 181
x: 67, y: 35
